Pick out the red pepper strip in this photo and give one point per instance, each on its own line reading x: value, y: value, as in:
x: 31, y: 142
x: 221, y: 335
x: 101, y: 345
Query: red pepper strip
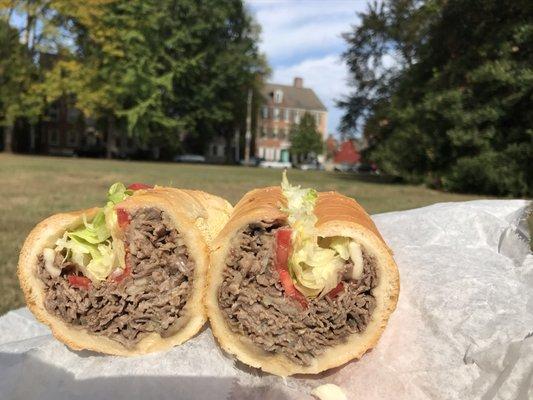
x: 139, y: 186
x: 123, y: 218
x: 283, y: 247
x: 335, y: 291
x: 123, y: 275
x: 80, y: 282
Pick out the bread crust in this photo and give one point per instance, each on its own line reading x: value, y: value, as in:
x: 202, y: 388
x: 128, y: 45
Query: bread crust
x: 196, y: 215
x: 337, y: 216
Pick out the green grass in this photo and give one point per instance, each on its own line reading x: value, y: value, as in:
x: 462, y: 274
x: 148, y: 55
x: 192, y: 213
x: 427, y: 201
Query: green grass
x: 33, y: 188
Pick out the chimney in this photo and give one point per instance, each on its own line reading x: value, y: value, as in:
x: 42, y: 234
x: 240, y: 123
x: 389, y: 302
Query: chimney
x: 298, y: 82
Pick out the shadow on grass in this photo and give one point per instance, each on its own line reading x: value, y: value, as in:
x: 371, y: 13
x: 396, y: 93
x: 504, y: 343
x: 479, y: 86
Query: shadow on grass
x: 367, y: 178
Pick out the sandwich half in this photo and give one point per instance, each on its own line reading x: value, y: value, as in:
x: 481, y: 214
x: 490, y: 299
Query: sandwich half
x: 300, y: 281
x: 128, y: 278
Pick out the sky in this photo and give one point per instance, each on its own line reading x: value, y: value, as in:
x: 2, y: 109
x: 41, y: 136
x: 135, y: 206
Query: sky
x: 303, y: 38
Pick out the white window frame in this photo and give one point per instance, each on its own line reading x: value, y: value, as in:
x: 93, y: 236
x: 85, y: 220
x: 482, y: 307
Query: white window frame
x: 278, y: 96
x: 275, y: 131
x: 276, y: 114
x: 264, y: 112
x: 286, y: 114
x: 296, y: 116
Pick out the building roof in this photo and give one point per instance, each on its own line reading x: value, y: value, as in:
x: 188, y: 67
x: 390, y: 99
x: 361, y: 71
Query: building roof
x: 295, y: 97
x: 347, y: 153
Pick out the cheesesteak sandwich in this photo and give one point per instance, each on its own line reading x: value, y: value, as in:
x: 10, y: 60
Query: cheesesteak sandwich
x: 300, y: 281
x: 128, y: 278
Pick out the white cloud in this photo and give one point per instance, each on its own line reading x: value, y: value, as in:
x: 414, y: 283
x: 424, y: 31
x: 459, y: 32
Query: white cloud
x: 303, y: 38
x: 299, y: 27
x: 326, y: 76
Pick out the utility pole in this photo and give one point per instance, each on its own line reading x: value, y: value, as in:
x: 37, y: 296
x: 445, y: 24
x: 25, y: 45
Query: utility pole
x: 237, y: 141
x: 248, y: 134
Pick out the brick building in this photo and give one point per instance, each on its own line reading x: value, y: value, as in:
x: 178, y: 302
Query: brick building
x: 283, y: 107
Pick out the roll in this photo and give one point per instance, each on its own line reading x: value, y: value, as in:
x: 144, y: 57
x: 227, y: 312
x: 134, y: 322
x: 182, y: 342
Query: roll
x: 300, y: 282
x: 128, y: 278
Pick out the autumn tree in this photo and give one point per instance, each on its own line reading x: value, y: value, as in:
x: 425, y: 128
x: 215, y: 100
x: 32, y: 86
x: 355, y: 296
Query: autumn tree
x: 162, y: 69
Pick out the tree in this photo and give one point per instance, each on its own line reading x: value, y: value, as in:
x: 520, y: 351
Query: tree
x: 165, y: 68
x: 458, y: 114
x: 305, y: 138
x: 20, y: 96
x: 32, y: 55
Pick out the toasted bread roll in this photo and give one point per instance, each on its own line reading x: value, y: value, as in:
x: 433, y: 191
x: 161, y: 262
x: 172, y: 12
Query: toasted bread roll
x: 155, y: 301
x: 253, y: 316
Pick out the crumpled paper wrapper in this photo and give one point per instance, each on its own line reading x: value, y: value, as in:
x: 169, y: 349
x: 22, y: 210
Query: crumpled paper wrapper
x: 463, y: 329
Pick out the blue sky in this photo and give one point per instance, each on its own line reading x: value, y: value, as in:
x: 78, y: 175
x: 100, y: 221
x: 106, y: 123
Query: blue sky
x: 303, y: 38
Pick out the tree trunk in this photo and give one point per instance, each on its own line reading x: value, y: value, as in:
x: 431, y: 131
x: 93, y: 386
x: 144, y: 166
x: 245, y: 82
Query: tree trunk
x: 237, y: 142
x: 8, y: 139
x: 110, y: 142
x: 32, y: 138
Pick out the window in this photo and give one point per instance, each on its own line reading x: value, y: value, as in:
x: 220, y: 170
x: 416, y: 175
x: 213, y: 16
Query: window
x: 72, y: 137
x: 53, y: 111
x: 72, y: 115
x: 264, y: 112
x: 278, y: 96
x: 286, y: 115
x: 296, y: 117
x: 276, y: 114
x: 53, y: 137
x: 263, y: 131
x: 275, y: 131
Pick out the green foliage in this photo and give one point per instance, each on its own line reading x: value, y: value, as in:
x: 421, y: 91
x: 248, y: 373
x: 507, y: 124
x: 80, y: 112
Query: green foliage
x: 168, y: 66
x: 490, y: 172
x: 305, y: 138
x: 18, y: 79
x: 459, y: 114
x: 158, y: 69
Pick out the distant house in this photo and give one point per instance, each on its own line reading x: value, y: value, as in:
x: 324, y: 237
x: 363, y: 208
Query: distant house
x: 347, y: 153
x: 283, y: 107
x: 331, y: 147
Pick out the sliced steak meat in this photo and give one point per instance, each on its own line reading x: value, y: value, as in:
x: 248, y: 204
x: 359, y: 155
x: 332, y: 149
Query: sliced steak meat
x: 151, y: 299
x: 255, y: 306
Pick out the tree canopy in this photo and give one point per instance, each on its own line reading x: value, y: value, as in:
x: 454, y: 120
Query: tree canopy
x: 158, y: 69
x: 444, y: 92
x: 305, y: 139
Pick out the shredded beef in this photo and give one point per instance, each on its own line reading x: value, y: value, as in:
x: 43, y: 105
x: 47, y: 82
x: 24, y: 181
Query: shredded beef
x: 255, y: 306
x: 151, y: 299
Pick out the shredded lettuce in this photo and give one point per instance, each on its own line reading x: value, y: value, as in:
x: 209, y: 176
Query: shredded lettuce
x: 93, y: 246
x: 315, y: 269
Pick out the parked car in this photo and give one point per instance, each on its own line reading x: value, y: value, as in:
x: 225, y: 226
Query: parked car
x: 345, y: 167
x: 275, y: 164
x: 190, y: 158
x: 312, y: 166
x: 252, y: 162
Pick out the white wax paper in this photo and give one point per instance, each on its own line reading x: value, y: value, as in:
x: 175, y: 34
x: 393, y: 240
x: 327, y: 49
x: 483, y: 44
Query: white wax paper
x: 463, y: 329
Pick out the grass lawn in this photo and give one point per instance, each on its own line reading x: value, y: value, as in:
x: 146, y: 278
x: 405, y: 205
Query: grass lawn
x: 36, y: 187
